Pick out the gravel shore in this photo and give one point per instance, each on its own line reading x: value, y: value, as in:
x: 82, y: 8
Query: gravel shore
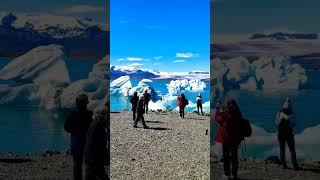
x: 268, y: 170
x: 172, y: 148
x: 51, y: 165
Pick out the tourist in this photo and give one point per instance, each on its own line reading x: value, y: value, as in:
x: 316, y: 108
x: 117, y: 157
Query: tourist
x: 182, y: 103
x: 147, y: 98
x: 140, y: 111
x: 96, y: 154
x: 199, y: 104
x: 134, y: 101
x: 228, y: 135
x: 285, y: 123
x: 77, y: 125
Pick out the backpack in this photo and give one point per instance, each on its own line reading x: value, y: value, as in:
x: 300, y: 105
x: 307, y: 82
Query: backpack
x: 186, y: 102
x: 245, y: 128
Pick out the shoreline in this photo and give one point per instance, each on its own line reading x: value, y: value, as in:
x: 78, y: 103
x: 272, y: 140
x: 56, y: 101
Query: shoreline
x: 172, y: 148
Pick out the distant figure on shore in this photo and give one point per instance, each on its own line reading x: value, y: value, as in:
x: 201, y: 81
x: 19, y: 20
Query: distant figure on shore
x: 77, y: 125
x: 96, y: 154
x: 285, y: 122
x: 147, y: 98
x: 140, y: 111
x: 134, y: 101
x: 182, y: 103
x: 199, y: 104
x: 229, y: 135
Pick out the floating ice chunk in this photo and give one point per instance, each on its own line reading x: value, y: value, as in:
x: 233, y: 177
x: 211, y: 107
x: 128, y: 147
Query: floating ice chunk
x: 176, y: 87
x: 44, y: 64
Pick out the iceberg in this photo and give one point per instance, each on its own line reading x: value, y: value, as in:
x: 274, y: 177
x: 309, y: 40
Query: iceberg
x: 121, y: 86
x: 176, y: 87
x: 268, y: 72
x: 44, y: 64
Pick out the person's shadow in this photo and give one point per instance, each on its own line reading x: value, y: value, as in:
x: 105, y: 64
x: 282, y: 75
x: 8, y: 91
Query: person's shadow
x: 159, y: 122
x: 157, y: 128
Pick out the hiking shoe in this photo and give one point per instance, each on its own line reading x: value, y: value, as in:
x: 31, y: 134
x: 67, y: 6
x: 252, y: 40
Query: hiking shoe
x: 145, y: 127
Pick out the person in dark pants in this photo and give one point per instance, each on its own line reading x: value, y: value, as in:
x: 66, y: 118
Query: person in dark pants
x: 229, y: 135
x: 140, y: 112
x: 147, y: 98
x: 134, y: 101
x: 182, y: 103
x: 285, y: 123
x: 199, y: 104
x: 96, y: 154
x: 77, y: 125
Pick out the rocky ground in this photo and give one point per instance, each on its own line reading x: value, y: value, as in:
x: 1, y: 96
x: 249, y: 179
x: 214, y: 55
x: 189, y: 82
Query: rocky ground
x: 172, y: 148
x: 47, y: 165
x: 268, y: 170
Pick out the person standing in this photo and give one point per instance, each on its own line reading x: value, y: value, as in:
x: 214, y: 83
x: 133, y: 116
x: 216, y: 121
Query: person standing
x: 182, y: 103
x: 199, y: 104
x: 229, y: 135
x: 134, y: 101
x: 285, y: 123
x: 77, y: 125
x: 140, y: 111
x: 96, y: 154
x: 147, y: 98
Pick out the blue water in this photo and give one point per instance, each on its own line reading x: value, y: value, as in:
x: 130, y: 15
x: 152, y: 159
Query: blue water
x: 261, y: 107
x: 118, y: 103
x: 32, y: 129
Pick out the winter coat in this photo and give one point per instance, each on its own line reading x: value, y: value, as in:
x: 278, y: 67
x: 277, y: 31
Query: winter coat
x: 134, y: 101
x: 146, y: 97
x: 182, y: 102
x: 140, y: 107
x: 227, y: 131
x: 78, y: 123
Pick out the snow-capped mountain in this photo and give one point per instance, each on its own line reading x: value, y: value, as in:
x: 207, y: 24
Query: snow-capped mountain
x: 137, y: 73
x: 305, y: 47
x: 134, y: 72
x: 21, y: 32
x: 284, y: 36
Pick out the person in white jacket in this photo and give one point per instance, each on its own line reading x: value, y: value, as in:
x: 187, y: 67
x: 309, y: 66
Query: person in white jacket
x: 285, y: 123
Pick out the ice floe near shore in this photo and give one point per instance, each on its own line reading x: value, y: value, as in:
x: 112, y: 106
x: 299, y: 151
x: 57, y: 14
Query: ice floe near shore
x: 270, y: 72
x: 162, y: 102
x: 42, y: 79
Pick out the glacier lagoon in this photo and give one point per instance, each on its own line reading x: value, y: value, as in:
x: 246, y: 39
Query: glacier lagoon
x: 261, y: 107
x: 120, y: 102
x: 33, y: 129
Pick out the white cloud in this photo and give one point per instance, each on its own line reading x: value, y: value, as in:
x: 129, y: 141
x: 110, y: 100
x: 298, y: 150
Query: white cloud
x: 179, y: 61
x: 158, y: 57
x: 84, y: 9
x: 121, y: 59
x: 185, y: 55
x: 135, y: 64
x: 134, y: 59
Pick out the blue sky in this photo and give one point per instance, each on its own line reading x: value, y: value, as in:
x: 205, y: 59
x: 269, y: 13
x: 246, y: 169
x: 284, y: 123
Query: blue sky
x: 256, y: 16
x: 95, y: 9
x: 166, y: 35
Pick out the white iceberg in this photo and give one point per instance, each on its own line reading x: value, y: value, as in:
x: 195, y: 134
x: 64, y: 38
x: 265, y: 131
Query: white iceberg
x: 269, y: 72
x: 44, y: 64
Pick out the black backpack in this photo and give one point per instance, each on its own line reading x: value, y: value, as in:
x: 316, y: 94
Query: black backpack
x: 245, y: 128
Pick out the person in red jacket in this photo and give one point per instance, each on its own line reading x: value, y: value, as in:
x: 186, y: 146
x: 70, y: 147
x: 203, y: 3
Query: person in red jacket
x: 182, y: 103
x: 228, y: 134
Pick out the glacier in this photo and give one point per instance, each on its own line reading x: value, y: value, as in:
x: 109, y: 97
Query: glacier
x: 268, y: 72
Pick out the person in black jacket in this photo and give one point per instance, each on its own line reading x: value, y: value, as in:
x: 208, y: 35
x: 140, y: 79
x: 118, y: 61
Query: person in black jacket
x: 134, y: 101
x: 97, y: 155
x: 147, y: 98
x: 140, y: 112
x: 77, y: 125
